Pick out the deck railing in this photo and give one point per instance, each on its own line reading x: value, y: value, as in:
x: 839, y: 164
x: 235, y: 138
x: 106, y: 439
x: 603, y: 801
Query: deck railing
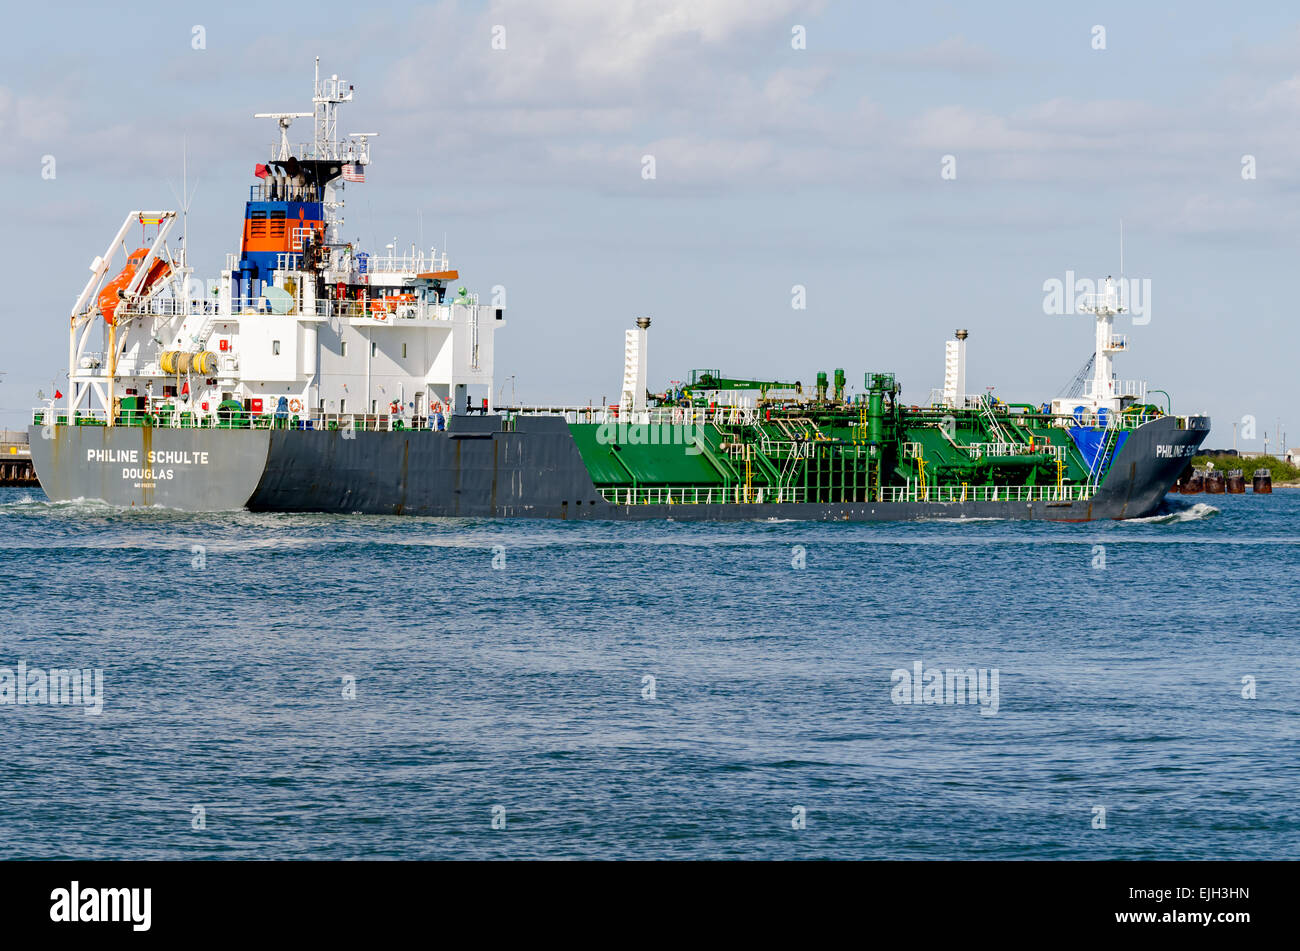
x: 697, y: 495
x: 1111, y: 421
x: 180, y: 418
x: 980, y: 450
x: 944, y: 494
x: 404, y: 307
x: 380, y: 307
x: 665, y: 416
x: 1135, y: 388
x: 985, y: 493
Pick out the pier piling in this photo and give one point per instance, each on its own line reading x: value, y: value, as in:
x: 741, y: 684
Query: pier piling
x: 15, y: 459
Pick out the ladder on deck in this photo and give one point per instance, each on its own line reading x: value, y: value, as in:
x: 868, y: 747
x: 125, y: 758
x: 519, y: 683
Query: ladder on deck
x: 1105, y: 452
x: 991, y: 420
x: 201, y: 338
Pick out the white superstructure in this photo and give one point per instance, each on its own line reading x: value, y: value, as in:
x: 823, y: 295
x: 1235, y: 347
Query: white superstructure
x: 1104, y: 391
x: 299, y: 324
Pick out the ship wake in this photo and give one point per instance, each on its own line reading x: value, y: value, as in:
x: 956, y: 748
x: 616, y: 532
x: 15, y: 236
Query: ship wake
x: 1175, y: 513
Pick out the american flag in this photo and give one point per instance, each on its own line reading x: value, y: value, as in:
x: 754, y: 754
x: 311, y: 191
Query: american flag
x: 354, y: 173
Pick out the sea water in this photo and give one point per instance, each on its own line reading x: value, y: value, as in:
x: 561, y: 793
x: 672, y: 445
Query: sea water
x: 353, y: 687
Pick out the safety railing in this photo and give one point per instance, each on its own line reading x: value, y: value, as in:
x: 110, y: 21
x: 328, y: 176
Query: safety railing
x: 662, y: 416
x: 169, y: 307
x: 984, y: 493
x: 938, y: 398
x: 697, y: 495
x: 943, y: 494
x: 1135, y: 388
x: 271, y: 189
x: 414, y: 261
x: 383, y: 307
x: 351, y: 149
x: 980, y: 450
x: 1107, y: 420
x: 570, y: 414
x: 174, y: 417
x: 703, y: 416
x: 393, y: 307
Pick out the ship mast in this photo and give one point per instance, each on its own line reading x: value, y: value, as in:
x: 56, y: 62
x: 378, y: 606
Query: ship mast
x: 326, y: 98
x: 1105, y: 307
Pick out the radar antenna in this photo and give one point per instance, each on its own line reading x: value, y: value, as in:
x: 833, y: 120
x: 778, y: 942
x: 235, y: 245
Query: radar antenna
x: 285, y: 119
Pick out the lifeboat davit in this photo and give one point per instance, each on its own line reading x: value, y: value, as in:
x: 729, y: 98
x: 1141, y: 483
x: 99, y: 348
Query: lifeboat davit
x: 108, y: 297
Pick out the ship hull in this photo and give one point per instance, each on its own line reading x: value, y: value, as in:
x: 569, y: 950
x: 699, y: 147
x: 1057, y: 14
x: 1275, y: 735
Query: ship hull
x: 196, y: 470
x: 476, y: 470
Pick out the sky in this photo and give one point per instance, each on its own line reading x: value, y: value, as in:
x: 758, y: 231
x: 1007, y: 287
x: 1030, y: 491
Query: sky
x: 915, y: 167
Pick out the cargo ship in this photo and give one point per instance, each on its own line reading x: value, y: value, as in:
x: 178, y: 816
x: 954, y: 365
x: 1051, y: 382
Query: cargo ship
x: 315, y: 376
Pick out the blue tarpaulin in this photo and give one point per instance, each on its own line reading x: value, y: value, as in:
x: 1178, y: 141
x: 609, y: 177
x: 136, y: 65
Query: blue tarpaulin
x: 1090, y: 442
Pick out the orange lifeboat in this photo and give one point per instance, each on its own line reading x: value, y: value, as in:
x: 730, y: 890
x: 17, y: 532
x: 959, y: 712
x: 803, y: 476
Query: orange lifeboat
x: 382, y: 307
x: 108, y: 297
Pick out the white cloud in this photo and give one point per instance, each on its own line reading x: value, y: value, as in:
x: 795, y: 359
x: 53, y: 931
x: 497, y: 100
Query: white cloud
x: 577, y: 51
x: 712, y: 89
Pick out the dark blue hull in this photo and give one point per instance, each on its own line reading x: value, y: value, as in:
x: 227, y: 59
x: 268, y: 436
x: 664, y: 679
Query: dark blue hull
x: 536, y: 471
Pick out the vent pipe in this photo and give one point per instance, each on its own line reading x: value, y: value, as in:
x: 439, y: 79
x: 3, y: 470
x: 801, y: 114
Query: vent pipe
x: 954, y: 371
x: 634, y: 368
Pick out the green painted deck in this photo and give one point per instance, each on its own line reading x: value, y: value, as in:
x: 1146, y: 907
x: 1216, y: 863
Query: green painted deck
x: 828, y: 451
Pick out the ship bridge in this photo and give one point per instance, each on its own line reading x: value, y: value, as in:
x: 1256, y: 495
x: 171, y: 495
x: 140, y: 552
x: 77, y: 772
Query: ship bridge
x: 300, y: 327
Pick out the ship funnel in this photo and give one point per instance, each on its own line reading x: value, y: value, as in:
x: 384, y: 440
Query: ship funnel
x: 954, y: 370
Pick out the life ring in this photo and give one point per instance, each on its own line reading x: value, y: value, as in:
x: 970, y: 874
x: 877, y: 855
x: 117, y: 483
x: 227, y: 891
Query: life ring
x: 436, y: 407
x: 295, y: 406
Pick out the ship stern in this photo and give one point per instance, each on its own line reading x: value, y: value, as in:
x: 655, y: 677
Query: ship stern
x: 193, y: 470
